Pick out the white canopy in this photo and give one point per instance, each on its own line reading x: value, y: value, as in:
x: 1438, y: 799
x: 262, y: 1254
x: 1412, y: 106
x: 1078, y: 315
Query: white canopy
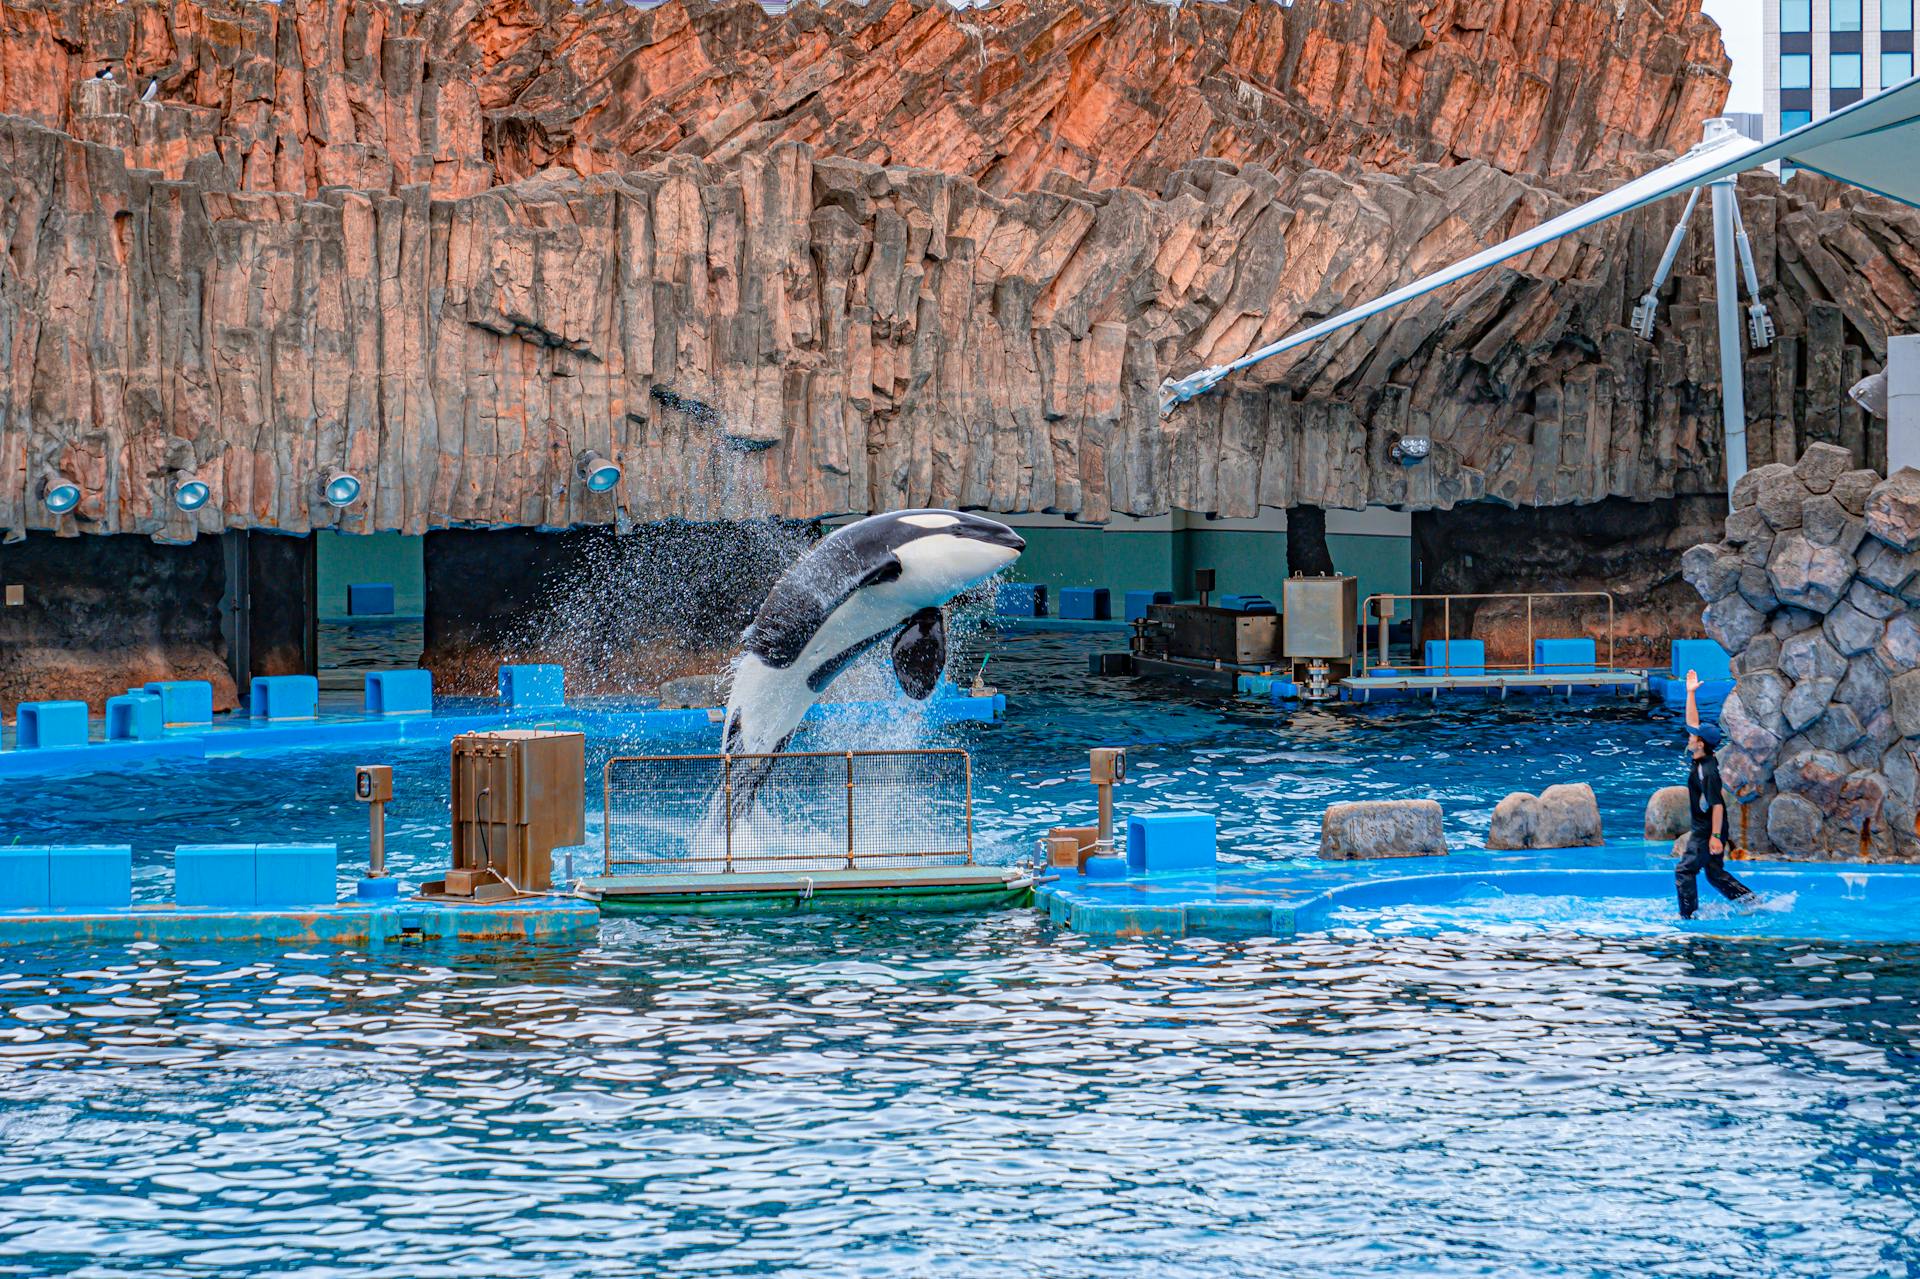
x: 1873, y: 144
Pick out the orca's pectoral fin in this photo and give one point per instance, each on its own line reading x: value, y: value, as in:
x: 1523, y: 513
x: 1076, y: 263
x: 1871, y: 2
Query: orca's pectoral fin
x: 920, y: 653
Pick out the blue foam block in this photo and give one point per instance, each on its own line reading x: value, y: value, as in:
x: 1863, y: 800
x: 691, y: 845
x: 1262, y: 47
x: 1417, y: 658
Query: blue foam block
x: 1178, y: 839
x: 1564, y: 656
x: 1703, y: 656
x: 399, y: 692
x: 1104, y: 868
x: 98, y: 875
x: 183, y: 702
x: 1247, y: 603
x: 213, y: 875
x: 386, y: 888
x: 370, y: 599
x: 1020, y: 599
x: 50, y: 725
x: 23, y: 877
x: 533, y: 687
x: 294, y: 874
x: 1085, y: 603
x: 1135, y: 603
x: 284, y: 697
x: 1456, y: 657
x: 135, y: 717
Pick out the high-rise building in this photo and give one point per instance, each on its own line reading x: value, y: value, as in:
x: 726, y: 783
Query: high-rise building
x: 1824, y: 54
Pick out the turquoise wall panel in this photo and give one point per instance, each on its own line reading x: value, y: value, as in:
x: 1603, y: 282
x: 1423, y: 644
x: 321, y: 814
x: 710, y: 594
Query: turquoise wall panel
x: 341, y: 559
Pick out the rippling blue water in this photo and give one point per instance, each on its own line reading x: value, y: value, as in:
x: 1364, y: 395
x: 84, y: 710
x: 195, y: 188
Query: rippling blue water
x: 971, y: 1097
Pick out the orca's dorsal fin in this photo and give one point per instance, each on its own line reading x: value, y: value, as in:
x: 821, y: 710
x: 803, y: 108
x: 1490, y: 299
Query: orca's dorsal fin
x: 920, y: 653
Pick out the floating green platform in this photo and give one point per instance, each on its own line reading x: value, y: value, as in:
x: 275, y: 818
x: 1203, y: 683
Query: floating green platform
x: 918, y: 889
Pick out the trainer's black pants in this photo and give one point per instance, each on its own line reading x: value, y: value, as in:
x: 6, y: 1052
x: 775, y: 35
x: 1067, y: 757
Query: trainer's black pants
x: 1695, y: 860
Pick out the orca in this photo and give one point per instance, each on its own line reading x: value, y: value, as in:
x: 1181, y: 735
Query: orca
x: 881, y: 578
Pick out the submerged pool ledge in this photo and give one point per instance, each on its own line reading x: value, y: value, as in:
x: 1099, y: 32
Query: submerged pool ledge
x: 1835, y: 900
x: 553, y: 918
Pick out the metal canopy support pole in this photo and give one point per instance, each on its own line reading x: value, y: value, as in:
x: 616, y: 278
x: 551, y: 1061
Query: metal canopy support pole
x: 1726, y: 288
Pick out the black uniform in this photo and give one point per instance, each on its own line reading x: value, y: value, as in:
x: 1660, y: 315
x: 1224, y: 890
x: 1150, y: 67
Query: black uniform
x: 1703, y: 793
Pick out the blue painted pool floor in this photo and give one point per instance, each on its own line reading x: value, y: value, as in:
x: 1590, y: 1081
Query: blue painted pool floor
x: 1621, y: 889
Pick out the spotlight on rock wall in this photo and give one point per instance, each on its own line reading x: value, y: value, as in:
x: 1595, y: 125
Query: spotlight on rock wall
x: 340, y: 488
x: 1409, y: 449
x: 190, y: 492
x: 600, y: 473
x: 58, y: 493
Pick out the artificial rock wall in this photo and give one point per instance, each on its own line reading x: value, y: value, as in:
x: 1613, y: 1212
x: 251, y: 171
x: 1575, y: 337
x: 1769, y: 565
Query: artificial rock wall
x: 1815, y: 590
x: 450, y: 245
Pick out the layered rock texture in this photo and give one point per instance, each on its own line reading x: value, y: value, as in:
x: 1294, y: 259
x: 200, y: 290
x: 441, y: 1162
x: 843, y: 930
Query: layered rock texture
x: 893, y: 254
x: 1815, y: 590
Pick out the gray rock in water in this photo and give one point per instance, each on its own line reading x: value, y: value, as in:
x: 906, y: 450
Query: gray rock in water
x: 1903, y: 702
x: 1781, y: 497
x: 1382, y: 828
x: 1809, y: 655
x: 693, y: 692
x: 1850, y: 631
x: 1893, y: 510
x: 1899, y: 648
x: 1854, y: 488
x: 1667, y: 814
x: 1563, y: 816
x: 1828, y: 523
x: 1821, y: 465
x: 1711, y: 570
x: 1793, y: 825
x: 1836, y: 730
x: 1732, y: 622
x: 1874, y: 603
x: 1807, y: 574
x: 1808, y: 702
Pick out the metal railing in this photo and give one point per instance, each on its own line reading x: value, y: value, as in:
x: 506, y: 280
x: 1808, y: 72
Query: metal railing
x: 809, y: 810
x: 1371, y: 612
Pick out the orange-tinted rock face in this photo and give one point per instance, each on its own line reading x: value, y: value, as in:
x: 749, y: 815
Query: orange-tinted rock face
x: 374, y: 95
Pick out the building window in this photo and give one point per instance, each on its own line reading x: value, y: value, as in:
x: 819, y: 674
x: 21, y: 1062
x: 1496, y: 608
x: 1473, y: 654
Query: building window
x: 1796, y: 15
x: 1896, y: 15
x: 1895, y: 67
x: 1796, y: 71
x: 1791, y: 120
x: 1845, y: 15
x: 1845, y: 71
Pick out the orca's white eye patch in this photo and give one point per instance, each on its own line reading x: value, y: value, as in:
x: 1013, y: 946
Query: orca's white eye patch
x: 930, y: 519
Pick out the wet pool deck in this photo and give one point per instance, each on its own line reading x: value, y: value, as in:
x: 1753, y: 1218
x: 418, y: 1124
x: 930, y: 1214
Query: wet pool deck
x: 1282, y: 899
x: 342, y: 723
x: 550, y: 918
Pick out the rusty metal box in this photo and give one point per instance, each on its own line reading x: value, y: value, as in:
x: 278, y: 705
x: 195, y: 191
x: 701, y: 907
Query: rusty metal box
x: 1323, y: 614
x: 517, y: 795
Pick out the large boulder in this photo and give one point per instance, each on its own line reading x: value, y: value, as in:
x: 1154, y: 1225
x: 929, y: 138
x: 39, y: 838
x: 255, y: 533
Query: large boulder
x: 1793, y: 825
x: 1903, y: 702
x: 1382, y: 828
x: 1756, y: 588
x: 1864, y: 688
x: 1732, y: 622
x: 1875, y: 603
x: 1808, y: 574
x: 1744, y: 527
x: 1893, y: 510
x: 1667, y: 814
x: 1850, y: 631
x: 1814, y: 775
x: 1746, y: 490
x: 1808, y: 702
x: 1809, y: 655
x: 1752, y: 717
x: 1837, y: 729
x: 1889, y: 569
x: 1899, y: 648
x: 1821, y: 465
x: 1780, y: 498
x: 1563, y: 816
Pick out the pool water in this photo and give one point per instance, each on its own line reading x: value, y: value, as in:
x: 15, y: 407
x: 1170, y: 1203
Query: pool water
x: 1454, y: 1094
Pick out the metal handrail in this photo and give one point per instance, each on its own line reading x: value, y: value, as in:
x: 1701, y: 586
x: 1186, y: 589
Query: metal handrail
x: 1446, y: 625
x: 727, y: 765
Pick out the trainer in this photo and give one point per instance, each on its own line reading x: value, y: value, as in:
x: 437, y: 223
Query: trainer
x: 1707, y: 806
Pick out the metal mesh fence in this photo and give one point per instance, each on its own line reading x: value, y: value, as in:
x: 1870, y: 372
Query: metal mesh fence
x: 695, y: 814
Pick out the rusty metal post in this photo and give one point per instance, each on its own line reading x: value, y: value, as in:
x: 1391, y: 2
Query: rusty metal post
x: 1383, y: 605
x: 1529, y: 634
x: 967, y: 761
x: 850, y: 865
x: 1446, y: 634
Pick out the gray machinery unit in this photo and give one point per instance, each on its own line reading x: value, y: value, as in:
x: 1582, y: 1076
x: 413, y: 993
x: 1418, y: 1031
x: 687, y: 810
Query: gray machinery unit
x: 1201, y: 641
x: 1322, y: 631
